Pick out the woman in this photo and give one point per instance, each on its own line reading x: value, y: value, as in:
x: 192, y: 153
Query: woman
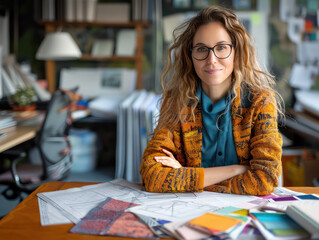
x: 217, y: 128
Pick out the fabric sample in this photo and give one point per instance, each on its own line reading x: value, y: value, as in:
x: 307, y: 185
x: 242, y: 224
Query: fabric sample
x: 110, y: 218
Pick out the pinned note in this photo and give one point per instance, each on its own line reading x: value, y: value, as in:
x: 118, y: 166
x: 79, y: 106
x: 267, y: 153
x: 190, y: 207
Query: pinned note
x: 255, y: 18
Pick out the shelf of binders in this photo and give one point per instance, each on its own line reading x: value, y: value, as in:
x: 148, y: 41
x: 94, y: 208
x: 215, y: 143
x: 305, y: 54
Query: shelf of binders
x: 51, y: 26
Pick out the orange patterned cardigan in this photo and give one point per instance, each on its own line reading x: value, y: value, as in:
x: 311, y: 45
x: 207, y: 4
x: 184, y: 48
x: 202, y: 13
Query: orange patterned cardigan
x: 257, y: 141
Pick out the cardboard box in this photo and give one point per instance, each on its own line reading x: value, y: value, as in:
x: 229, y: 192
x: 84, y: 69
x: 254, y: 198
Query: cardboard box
x: 300, y: 167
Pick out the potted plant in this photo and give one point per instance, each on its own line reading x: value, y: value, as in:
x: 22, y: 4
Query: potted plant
x: 23, y: 99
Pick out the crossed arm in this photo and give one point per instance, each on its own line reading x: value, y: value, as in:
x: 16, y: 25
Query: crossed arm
x: 212, y: 175
x: 167, y: 166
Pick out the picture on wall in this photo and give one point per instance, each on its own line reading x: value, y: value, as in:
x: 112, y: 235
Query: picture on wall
x: 181, y: 3
x: 111, y: 79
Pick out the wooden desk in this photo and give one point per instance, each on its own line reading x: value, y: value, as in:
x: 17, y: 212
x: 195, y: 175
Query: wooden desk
x: 16, y: 135
x: 23, y: 222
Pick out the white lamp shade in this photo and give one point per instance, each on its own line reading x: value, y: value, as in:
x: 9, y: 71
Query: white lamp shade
x: 58, y: 46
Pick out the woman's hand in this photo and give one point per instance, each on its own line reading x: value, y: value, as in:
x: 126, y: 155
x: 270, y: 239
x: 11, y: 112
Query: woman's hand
x: 169, y: 160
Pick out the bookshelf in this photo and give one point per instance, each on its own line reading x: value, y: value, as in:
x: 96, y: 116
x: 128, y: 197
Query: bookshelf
x: 51, y: 26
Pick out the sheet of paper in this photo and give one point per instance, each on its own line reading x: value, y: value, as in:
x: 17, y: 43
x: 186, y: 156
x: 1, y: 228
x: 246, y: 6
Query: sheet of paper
x: 281, y: 191
x: 174, y: 210
x: 284, y: 204
x: 50, y: 215
x: 191, y: 234
x: 75, y: 203
x: 154, y: 225
x: 170, y: 228
x: 188, y: 206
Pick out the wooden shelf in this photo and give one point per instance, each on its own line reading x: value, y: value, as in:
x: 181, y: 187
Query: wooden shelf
x: 51, y: 26
x: 94, y: 24
x: 89, y: 57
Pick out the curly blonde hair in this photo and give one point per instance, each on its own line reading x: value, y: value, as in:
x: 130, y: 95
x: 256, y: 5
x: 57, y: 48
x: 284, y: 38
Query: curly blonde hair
x: 179, y: 79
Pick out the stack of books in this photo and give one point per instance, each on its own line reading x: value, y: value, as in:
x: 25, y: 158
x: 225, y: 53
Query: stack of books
x: 209, y: 225
x: 277, y: 225
x: 6, y: 120
x: 307, y: 216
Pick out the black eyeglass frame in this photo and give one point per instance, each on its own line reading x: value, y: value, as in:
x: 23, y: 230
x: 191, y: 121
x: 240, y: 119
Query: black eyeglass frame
x: 212, y: 49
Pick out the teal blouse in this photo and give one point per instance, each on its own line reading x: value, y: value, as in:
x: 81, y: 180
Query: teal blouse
x: 218, y: 148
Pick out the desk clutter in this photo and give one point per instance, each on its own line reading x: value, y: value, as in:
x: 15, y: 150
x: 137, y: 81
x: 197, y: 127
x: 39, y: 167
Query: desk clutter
x: 11, y: 118
x: 6, y: 120
x: 122, y: 208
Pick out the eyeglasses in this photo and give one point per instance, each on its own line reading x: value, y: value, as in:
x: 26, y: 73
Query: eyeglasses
x: 221, y: 51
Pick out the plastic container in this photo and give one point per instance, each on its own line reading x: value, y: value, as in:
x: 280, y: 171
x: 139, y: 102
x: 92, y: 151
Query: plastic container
x: 84, y: 149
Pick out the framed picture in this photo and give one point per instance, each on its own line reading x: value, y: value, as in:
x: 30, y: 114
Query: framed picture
x: 182, y: 3
x: 103, y: 48
x: 111, y: 79
x: 126, y: 43
x: 203, y: 3
x: 242, y: 4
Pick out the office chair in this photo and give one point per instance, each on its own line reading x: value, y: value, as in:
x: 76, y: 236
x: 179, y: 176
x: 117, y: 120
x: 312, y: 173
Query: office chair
x: 51, y: 145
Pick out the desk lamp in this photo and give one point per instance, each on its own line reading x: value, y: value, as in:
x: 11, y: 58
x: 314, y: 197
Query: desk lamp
x: 57, y: 46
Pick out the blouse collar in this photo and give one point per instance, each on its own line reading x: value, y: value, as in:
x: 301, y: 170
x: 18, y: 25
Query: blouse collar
x: 208, y: 106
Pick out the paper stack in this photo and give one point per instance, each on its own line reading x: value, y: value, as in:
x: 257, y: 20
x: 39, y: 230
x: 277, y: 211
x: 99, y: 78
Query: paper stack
x: 307, y: 216
x: 209, y: 225
x: 6, y: 120
x: 181, y: 215
x: 136, y: 121
x: 278, y: 226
